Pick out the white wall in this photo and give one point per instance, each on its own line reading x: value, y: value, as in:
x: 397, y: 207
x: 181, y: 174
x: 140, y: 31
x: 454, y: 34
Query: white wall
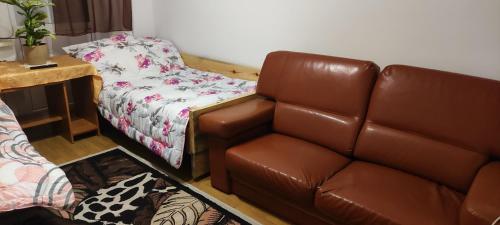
x: 454, y: 35
x: 143, y: 18
x: 5, y: 23
x: 7, y: 51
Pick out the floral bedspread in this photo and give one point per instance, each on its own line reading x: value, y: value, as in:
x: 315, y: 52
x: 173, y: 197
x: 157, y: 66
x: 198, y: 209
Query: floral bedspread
x: 26, y: 178
x: 148, y: 91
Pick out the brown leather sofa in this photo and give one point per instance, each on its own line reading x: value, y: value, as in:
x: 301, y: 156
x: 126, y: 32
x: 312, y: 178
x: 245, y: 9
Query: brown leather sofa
x: 331, y: 141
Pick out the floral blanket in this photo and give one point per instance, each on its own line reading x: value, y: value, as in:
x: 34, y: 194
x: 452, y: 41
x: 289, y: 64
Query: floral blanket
x: 148, y: 91
x: 26, y: 178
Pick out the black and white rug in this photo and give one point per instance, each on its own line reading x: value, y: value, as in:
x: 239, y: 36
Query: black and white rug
x: 116, y: 187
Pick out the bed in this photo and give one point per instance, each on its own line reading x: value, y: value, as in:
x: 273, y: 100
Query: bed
x: 26, y: 178
x: 154, y: 94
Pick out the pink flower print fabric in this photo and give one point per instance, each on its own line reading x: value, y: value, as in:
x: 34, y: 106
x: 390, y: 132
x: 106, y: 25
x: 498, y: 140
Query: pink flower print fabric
x: 93, y: 56
x: 151, y: 98
x: 123, y: 84
x: 148, y: 91
x: 123, y: 55
x: 119, y: 38
x: 184, y: 113
x: 172, y: 81
x: 143, y: 62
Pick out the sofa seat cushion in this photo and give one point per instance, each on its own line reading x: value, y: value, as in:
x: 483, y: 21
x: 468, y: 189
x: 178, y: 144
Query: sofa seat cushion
x: 365, y: 193
x: 289, y: 167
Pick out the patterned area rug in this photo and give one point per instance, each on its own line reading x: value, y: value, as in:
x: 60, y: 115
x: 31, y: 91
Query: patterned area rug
x: 116, y: 188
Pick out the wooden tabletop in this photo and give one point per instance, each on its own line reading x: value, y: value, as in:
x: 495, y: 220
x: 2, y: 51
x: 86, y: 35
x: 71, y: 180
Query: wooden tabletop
x: 15, y: 75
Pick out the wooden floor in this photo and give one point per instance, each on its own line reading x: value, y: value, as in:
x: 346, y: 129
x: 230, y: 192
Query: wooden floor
x: 58, y: 150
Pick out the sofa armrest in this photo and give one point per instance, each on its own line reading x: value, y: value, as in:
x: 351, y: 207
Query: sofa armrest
x: 482, y: 203
x: 232, y: 125
x: 231, y: 121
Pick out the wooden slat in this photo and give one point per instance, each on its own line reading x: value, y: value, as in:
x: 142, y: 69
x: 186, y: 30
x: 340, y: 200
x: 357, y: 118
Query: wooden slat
x: 228, y: 69
x: 37, y: 119
x: 57, y: 102
x: 85, y: 108
x: 81, y: 126
x: 200, y: 164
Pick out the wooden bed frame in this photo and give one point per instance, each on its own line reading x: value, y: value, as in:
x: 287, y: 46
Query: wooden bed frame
x: 195, y: 142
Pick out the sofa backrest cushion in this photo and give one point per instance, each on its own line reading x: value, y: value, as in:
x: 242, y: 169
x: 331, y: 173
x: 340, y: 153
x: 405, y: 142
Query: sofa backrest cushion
x: 321, y: 99
x: 438, y: 125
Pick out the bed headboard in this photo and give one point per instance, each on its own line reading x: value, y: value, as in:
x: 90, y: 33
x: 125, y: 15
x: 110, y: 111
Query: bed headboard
x: 228, y: 69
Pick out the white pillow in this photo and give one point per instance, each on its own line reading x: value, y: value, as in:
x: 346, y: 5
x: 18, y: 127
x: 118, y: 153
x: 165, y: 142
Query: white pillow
x: 125, y: 55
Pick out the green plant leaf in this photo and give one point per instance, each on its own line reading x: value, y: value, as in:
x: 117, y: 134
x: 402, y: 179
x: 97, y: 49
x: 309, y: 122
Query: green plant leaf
x: 21, y: 13
x: 34, y: 24
x: 40, y: 16
x: 40, y: 34
x: 20, y: 31
x: 30, y: 41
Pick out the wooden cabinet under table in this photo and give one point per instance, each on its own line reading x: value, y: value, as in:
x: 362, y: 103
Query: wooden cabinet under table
x: 71, y: 74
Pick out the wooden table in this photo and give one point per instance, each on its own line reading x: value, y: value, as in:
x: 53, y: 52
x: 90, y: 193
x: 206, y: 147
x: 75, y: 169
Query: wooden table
x: 81, y: 76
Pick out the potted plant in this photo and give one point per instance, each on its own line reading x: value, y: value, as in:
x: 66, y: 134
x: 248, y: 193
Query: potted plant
x: 34, y: 30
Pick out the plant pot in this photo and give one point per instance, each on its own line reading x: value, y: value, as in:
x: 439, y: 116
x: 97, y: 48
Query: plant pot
x: 36, y: 55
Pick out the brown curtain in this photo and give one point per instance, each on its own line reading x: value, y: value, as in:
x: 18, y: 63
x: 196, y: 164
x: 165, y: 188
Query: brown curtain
x: 79, y: 17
